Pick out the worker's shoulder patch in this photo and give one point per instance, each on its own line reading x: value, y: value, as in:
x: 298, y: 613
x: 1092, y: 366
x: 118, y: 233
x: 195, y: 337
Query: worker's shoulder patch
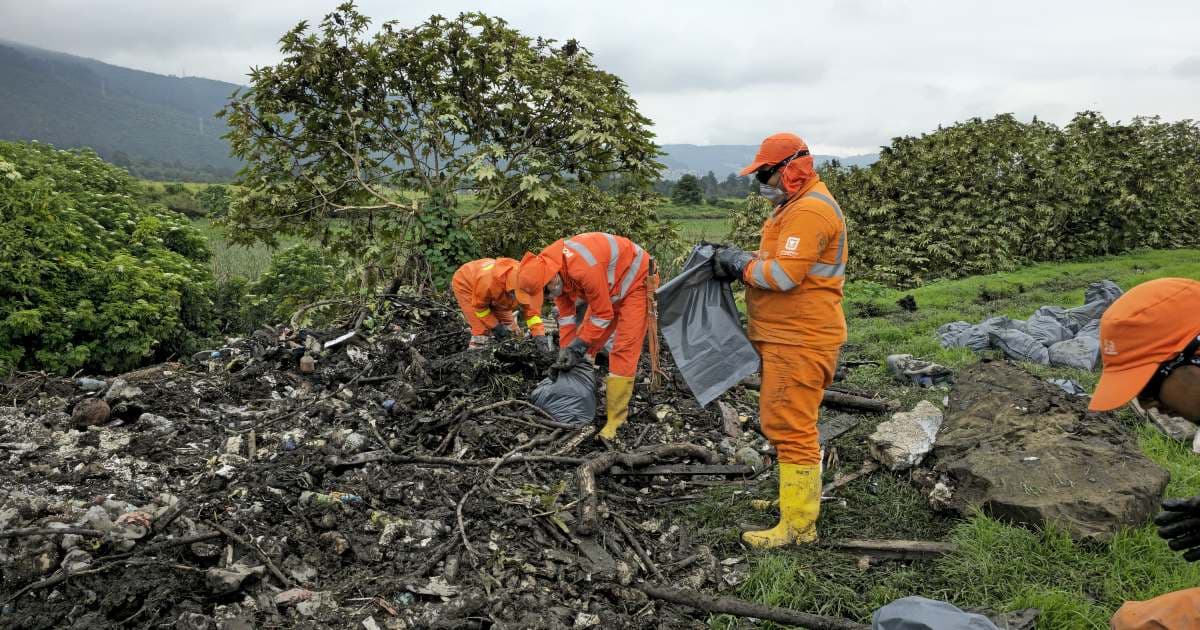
x: 792, y: 243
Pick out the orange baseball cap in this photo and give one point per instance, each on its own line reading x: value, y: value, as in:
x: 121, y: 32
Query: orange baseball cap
x: 775, y: 149
x: 1147, y: 326
x: 533, y: 274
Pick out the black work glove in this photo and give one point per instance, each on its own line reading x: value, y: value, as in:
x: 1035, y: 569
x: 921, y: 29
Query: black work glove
x: 1180, y: 526
x: 545, y: 344
x: 501, y: 332
x: 729, y: 262
x: 569, y: 357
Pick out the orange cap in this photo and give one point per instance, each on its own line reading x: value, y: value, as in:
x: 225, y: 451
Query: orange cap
x: 533, y: 274
x: 774, y: 150
x: 1147, y: 326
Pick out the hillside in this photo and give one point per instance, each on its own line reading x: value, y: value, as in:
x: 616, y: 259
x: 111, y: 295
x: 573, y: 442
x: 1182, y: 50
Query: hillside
x: 723, y: 159
x: 158, y: 126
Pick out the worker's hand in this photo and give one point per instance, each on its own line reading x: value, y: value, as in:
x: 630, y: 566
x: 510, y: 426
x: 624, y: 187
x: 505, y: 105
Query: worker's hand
x: 570, y: 356
x: 544, y: 344
x: 501, y: 332
x: 729, y: 262
x: 1179, y: 525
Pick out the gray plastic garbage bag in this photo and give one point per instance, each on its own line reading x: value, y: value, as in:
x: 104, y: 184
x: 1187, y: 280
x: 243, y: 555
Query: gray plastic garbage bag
x: 700, y: 323
x: 1105, y: 291
x: 948, y: 334
x: 1058, y: 314
x: 919, y: 613
x: 571, y: 398
x: 1048, y: 330
x: 1082, y: 352
x: 1020, y: 346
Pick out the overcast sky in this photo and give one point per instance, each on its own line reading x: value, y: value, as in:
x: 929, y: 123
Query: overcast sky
x: 846, y: 75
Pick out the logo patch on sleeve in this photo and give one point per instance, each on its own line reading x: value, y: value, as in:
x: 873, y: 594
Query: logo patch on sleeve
x: 792, y: 243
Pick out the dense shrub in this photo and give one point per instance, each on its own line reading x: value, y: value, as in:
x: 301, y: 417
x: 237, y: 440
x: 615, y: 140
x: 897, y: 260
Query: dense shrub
x: 990, y: 195
x: 90, y: 277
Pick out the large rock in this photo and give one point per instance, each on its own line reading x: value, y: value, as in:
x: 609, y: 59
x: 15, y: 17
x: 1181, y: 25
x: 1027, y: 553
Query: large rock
x: 1024, y: 451
x: 903, y: 441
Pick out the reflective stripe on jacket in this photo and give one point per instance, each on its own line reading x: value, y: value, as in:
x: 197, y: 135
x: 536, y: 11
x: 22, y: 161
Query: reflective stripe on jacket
x: 794, y: 286
x: 599, y: 269
x: 486, y: 283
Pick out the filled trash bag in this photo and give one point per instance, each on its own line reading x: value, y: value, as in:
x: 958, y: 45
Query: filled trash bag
x: 1020, y: 346
x: 919, y: 613
x: 700, y: 323
x: 571, y: 398
x: 1048, y: 330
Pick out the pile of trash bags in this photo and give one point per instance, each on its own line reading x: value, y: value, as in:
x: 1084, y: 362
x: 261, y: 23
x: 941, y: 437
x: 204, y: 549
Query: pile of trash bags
x: 1062, y: 337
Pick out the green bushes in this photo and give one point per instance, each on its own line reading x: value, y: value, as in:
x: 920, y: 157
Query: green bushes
x: 990, y: 195
x: 89, y: 277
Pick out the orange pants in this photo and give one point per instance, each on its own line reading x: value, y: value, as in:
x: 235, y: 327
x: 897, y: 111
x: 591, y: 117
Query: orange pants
x: 479, y: 328
x: 628, y: 328
x: 1174, y: 611
x: 794, y: 379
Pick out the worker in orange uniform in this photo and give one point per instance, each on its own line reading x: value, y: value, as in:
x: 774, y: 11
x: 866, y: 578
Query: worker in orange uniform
x: 610, y: 275
x: 486, y: 293
x: 1150, y: 347
x: 794, y: 302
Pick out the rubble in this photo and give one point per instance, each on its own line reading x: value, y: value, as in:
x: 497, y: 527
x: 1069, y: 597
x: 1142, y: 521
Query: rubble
x: 401, y: 483
x: 902, y: 442
x: 1023, y: 450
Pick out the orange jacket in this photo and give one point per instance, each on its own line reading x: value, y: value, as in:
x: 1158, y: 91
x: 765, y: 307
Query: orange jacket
x: 794, y: 286
x: 599, y: 269
x: 489, y: 283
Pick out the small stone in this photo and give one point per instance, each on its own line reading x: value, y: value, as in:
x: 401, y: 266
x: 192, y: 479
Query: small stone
x: 233, y: 445
x: 90, y: 412
x: 749, y: 457
x: 354, y: 443
x: 307, y: 364
x: 587, y: 620
x: 903, y: 441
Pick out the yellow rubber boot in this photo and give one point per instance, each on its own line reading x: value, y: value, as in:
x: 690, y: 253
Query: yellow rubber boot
x: 620, y: 391
x: 799, y: 505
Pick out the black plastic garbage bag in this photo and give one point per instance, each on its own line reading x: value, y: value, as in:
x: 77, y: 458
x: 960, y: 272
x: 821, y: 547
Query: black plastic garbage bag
x: 571, y: 398
x: 699, y: 321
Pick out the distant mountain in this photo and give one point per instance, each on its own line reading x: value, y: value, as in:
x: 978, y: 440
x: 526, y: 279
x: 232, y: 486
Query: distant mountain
x: 158, y: 126
x: 723, y: 159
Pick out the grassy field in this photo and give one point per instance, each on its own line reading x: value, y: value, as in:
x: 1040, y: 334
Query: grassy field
x: 997, y: 566
x: 229, y: 260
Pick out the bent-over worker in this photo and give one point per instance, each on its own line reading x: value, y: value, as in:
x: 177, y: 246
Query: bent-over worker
x: 794, y: 303
x: 486, y: 293
x: 609, y: 274
x: 1150, y: 348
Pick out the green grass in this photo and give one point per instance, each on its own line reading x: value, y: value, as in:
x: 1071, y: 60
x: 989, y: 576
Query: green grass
x: 230, y: 260
x: 997, y: 566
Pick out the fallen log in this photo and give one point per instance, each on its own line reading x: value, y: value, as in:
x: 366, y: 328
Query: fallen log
x: 585, y: 475
x: 743, y: 608
x: 896, y: 549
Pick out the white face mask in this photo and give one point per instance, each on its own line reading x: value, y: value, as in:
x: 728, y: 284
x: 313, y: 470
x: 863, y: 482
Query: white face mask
x: 775, y: 195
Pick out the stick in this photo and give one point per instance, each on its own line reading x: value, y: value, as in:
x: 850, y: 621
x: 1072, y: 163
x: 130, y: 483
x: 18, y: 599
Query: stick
x: 743, y: 608
x: 45, y: 531
x: 262, y: 555
x: 166, y: 544
x: 841, y: 399
x: 585, y: 475
x: 868, y: 467
x: 575, y: 441
x: 61, y: 577
x: 898, y: 549
x: 334, y: 461
x: 637, y: 548
x: 545, y: 419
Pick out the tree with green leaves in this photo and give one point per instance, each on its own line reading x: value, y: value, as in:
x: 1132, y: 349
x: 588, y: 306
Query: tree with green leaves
x: 687, y: 191
x: 367, y: 141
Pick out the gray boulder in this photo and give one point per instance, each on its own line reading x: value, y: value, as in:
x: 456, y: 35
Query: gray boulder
x: 1022, y: 450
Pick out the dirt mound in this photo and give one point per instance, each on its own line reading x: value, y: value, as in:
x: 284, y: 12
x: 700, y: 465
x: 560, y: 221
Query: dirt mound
x: 402, y: 483
x: 1022, y: 450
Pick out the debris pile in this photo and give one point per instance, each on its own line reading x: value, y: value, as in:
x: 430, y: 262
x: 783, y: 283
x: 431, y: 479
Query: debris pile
x: 1063, y: 337
x: 1023, y: 450
x: 342, y: 477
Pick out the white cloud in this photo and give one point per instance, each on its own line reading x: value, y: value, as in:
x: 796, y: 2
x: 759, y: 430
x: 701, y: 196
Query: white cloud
x: 846, y: 74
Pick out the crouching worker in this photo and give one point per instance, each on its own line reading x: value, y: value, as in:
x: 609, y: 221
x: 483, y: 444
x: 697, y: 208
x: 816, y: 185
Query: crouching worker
x: 1150, y: 347
x: 794, y: 302
x: 486, y: 293
x: 611, y: 275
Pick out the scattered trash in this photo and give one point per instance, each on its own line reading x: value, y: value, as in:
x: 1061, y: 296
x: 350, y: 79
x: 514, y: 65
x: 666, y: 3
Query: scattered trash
x: 91, y: 384
x: 919, y: 613
x: 903, y: 441
x: 918, y: 372
x: 307, y: 364
x: 1069, y: 386
x: 1174, y: 427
